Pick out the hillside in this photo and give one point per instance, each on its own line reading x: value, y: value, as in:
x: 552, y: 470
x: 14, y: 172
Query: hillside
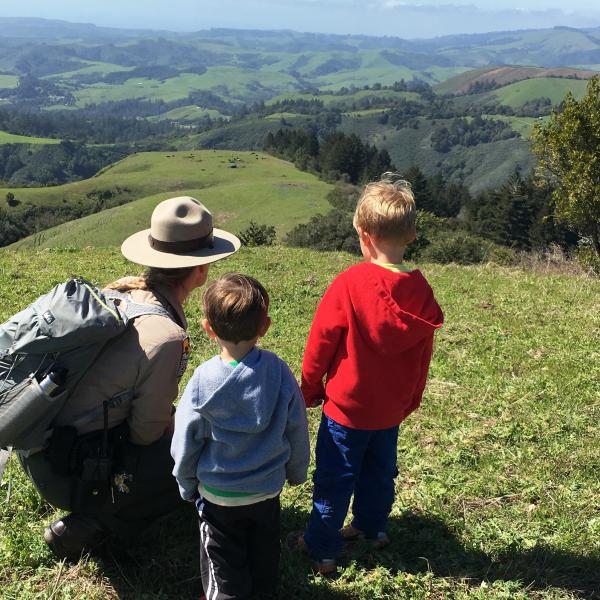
x: 497, y: 492
x: 505, y: 75
x: 260, y: 187
x: 78, y: 65
x: 480, y: 167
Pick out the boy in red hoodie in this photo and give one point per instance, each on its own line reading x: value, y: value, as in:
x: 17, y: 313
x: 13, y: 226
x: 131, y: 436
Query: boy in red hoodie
x: 371, y: 339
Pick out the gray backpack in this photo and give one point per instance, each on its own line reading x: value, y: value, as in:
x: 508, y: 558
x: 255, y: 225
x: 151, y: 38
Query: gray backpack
x: 47, y: 348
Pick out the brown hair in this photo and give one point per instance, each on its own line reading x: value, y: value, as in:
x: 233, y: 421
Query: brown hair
x: 236, y: 306
x: 386, y: 209
x: 152, y: 278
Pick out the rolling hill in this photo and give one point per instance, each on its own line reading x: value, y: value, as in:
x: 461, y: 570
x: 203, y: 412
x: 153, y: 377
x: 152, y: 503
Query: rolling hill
x: 84, y: 65
x: 236, y: 186
x: 505, y: 75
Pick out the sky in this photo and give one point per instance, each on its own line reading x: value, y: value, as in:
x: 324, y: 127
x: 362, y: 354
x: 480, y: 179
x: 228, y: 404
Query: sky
x: 402, y: 18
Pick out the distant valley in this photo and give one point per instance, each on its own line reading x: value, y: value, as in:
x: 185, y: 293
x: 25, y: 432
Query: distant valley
x: 76, y: 98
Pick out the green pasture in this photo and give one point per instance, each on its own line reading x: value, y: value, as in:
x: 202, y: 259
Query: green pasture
x: 229, y: 82
x: 11, y: 138
x: 498, y: 489
x: 8, y: 81
x: 188, y: 113
x: 90, y: 66
x: 375, y: 68
x: 260, y: 188
x: 386, y: 75
x: 282, y: 115
x: 516, y: 94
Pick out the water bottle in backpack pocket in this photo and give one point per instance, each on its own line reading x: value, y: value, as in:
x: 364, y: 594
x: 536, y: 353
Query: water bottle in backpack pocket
x: 28, y: 408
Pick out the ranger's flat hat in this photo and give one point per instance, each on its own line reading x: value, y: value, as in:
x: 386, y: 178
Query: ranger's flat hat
x: 181, y: 234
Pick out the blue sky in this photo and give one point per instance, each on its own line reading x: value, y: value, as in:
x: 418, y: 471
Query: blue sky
x: 403, y: 18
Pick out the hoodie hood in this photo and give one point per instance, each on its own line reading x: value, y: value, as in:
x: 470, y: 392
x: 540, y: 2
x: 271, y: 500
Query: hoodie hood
x: 241, y: 398
x: 376, y: 295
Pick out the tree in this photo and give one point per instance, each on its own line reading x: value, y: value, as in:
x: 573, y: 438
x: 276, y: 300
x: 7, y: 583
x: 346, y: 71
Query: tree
x: 11, y: 200
x: 568, y: 152
x: 258, y: 235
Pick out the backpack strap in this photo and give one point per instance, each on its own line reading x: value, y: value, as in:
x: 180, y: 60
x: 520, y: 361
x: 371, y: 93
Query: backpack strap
x: 133, y: 310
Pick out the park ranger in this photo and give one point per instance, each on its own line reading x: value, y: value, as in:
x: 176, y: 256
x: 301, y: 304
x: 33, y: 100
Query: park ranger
x: 126, y: 441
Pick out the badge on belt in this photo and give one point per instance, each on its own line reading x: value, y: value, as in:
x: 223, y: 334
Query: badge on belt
x: 185, y: 356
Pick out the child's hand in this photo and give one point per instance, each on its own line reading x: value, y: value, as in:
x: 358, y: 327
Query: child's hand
x: 316, y: 402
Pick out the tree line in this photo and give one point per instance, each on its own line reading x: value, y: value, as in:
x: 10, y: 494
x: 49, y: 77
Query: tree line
x: 19, y: 219
x: 23, y: 165
x: 464, y: 132
x: 336, y: 156
x: 453, y: 224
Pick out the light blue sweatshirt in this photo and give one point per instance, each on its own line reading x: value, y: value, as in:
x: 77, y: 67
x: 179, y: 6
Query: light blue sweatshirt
x: 241, y: 428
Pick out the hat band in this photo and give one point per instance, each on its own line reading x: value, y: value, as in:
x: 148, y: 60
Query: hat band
x: 183, y: 246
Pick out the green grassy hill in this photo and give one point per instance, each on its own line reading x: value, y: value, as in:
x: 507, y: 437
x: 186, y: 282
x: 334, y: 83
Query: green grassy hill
x: 516, y: 94
x: 497, y: 492
x: 505, y: 76
x: 260, y: 187
x: 11, y: 138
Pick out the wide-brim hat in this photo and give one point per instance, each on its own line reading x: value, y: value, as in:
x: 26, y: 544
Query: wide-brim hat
x: 181, y: 234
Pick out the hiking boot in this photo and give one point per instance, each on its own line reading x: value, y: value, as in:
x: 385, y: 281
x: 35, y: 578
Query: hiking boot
x: 323, y: 566
x: 351, y: 534
x: 74, y: 535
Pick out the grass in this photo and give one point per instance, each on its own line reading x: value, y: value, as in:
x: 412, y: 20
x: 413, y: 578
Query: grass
x: 516, y: 94
x: 8, y: 81
x: 187, y: 113
x: 229, y: 82
x: 12, y: 138
x: 498, y: 491
x: 262, y: 188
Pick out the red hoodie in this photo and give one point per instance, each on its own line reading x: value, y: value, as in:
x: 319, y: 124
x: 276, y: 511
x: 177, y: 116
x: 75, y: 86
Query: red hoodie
x: 372, y: 336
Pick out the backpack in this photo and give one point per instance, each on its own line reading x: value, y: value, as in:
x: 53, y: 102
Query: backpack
x: 48, y: 347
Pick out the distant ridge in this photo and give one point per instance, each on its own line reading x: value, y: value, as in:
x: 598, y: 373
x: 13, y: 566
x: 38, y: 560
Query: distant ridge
x: 48, y: 29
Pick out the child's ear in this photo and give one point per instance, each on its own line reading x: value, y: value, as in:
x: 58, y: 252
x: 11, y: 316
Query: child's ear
x: 364, y: 236
x: 265, y: 327
x: 209, y: 330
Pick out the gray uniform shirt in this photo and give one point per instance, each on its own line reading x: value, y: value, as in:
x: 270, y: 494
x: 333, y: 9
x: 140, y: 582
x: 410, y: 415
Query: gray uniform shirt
x: 149, y: 358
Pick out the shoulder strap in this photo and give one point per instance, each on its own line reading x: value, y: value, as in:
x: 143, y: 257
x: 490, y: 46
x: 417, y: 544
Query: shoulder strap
x: 135, y: 309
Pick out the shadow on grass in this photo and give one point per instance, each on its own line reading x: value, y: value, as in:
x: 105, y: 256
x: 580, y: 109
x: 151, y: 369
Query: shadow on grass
x: 425, y: 544
x: 164, y: 564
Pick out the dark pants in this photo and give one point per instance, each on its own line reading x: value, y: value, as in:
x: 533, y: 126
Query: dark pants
x: 146, y: 490
x: 350, y: 461
x: 239, y: 549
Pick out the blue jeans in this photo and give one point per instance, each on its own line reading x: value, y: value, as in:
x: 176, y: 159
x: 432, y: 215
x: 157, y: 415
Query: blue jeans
x: 350, y: 461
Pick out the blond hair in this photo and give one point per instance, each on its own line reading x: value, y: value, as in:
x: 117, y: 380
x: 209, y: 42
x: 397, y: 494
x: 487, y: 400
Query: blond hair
x: 236, y: 307
x: 386, y: 209
x: 153, y: 277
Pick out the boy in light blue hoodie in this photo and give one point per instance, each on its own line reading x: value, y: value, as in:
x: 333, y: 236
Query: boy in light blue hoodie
x: 240, y: 433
